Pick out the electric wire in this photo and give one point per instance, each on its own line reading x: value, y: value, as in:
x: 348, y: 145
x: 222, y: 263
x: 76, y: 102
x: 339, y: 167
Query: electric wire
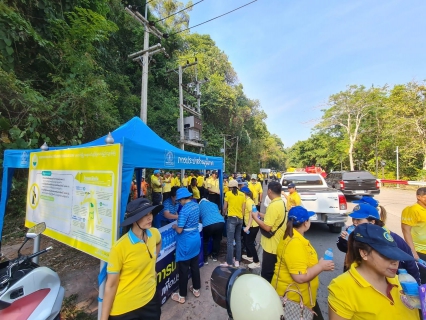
x: 178, y: 11
x: 213, y: 18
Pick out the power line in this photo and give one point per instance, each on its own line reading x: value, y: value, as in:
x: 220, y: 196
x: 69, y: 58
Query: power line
x: 213, y: 18
x: 178, y: 11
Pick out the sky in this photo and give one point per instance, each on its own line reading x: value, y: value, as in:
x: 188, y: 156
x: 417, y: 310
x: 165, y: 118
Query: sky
x: 292, y: 55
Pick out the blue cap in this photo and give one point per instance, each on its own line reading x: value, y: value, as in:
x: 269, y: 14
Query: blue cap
x: 240, y: 181
x: 367, y: 200
x: 291, y: 185
x: 364, y: 211
x: 156, y: 171
x: 380, y: 240
x: 245, y: 189
x: 183, y: 193
x: 299, y: 214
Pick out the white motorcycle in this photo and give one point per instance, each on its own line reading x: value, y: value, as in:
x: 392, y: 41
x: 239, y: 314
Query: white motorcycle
x: 27, y: 290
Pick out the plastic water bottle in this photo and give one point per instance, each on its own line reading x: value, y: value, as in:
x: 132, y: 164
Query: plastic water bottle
x: 254, y: 209
x: 328, y: 255
x: 248, y: 231
x: 410, y: 287
x: 349, y: 231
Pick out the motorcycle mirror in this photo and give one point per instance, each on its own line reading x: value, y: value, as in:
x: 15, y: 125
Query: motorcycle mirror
x: 34, y: 231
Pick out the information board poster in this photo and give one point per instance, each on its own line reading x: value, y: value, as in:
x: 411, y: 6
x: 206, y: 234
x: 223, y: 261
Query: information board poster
x: 76, y: 193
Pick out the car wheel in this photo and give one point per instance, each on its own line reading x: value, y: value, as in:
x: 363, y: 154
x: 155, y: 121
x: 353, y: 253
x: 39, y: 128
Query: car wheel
x: 334, y: 229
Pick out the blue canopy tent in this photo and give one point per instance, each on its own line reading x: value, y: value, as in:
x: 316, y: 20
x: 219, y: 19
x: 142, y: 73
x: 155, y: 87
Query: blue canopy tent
x: 142, y: 148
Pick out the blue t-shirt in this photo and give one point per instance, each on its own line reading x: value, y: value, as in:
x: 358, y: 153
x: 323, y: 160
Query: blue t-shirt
x: 209, y: 213
x: 188, y: 242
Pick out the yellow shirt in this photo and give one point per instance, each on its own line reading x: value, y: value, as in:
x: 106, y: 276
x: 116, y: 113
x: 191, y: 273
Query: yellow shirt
x: 247, y: 214
x: 256, y: 189
x: 172, y: 182
x: 415, y: 216
x: 225, y: 187
x: 195, y: 193
x: 177, y: 182
x: 235, y: 204
x: 167, y: 184
x: 129, y: 257
x: 185, y: 182
x: 353, y: 297
x: 206, y: 182
x: 213, y: 185
x: 200, y: 181
x: 260, y: 176
x: 294, y: 256
x: 156, y: 184
x: 273, y: 217
x: 279, y: 175
x: 293, y: 200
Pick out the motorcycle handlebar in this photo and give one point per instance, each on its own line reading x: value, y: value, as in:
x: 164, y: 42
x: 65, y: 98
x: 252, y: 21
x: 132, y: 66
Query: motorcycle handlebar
x: 39, y: 253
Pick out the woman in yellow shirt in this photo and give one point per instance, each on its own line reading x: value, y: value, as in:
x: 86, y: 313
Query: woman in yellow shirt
x: 251, y: 228
x: 369, y: 289
x: 194, y: 189
x: 234, y: 204
x: 297, y: 261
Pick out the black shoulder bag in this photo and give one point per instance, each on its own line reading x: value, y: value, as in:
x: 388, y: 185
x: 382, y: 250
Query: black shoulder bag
x: 270, y: 234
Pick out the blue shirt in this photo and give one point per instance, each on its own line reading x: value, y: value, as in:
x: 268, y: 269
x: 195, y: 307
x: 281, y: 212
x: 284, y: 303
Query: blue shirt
x: 168, y: 206
x: 209, y: 213
x: 188, y: 242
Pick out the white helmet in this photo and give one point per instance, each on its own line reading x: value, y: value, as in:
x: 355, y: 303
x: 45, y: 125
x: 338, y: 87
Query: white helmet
x: 253, y: 298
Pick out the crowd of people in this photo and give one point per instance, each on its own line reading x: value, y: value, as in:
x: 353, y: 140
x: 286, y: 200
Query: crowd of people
x: 367, y: 288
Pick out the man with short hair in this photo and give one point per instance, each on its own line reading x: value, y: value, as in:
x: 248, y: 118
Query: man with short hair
x: 185, y: 180
x: 200, y: 184
x: 293, y: 199
x: 413, y: 225
x: 275, y: 220
x: 157, y: 188
x: 177, y: 182
x: 167, y: 186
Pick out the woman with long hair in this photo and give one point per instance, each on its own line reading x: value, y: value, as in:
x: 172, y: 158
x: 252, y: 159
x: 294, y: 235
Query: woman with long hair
x: 370, y: 288
x: 365, y: 213
x: 297, y: 261
x: 194, y: 189
x: 251, y: 228
x: 234, y: 205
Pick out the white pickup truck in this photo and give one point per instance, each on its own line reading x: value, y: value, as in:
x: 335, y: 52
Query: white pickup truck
x: 329, y: 204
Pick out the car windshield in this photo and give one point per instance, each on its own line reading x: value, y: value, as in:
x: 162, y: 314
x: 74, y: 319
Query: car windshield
x: 305, y: 180
x: 357, y: 175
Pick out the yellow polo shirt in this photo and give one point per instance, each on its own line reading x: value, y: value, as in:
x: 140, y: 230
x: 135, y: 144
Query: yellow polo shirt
x: 235, y: 203
x: 167, y: 184
x: 256, y: 189
x: 195, y: 193
x: 293, y: 200
x: 156, y: 184
x: 185, y: 182
x: 129, y: 257
x: 260, y: 176
x: 294, y: 256
x: 177, y: 182
x: 200, y: 181
x: 225, y: 187
x: 213, y: 184
x: 415, y: 216
x: 247, y: 214
x: 353, y: 297
x: 273, y: 217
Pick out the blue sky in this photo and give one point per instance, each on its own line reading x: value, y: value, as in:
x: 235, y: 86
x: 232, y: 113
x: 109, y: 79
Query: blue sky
x: 292, y: 55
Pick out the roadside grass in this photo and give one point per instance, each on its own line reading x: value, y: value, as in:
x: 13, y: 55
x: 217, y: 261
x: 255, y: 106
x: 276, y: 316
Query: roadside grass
x: 70, y: 311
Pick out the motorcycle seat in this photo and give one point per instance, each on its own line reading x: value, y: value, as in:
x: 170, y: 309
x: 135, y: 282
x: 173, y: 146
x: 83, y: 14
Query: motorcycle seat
x: 24, y: 307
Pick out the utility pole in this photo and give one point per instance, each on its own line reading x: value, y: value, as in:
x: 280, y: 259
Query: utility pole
x: 224, y: 152
x: 397, y: 165
x: 143, y: 56
x: 236, y: 156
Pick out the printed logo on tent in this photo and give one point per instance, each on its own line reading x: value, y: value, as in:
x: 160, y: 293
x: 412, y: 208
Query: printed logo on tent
x: 24, y: 159
x: 169, y: 159
x: 34, y: 161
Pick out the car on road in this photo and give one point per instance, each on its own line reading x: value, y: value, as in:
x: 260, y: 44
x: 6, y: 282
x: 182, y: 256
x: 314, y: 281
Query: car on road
x: 354, y: 183
x: 329, y: 204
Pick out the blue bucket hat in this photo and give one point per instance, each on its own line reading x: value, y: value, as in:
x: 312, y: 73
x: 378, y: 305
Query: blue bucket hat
x: 245, y: 189
x: 380, y: 240
x: 183, y: 193
x: 364, y: 211
x: 156, y: 171
x: 367, y: 200
x: 299, y: 214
